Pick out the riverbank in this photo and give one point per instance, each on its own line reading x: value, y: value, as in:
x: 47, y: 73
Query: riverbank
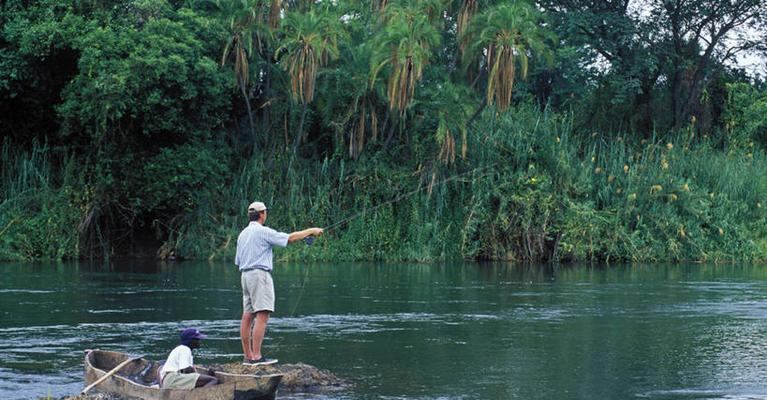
x: 155, y: 125
x: 527, y: 190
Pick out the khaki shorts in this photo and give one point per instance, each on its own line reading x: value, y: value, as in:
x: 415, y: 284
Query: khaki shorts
x: 177, y: 380
x: 257, y: 291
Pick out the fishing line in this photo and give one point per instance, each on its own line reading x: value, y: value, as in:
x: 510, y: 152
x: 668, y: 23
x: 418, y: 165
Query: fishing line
x: 309, y: 240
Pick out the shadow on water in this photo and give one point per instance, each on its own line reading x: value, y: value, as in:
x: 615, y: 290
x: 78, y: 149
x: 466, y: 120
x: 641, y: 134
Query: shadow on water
x: 424, y: 331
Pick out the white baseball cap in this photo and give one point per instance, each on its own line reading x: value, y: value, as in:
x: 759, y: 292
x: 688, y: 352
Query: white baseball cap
x: 256, y: 206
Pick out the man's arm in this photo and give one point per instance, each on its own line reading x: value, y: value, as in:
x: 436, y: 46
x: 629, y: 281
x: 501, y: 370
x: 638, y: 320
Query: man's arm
x: 301, y: 235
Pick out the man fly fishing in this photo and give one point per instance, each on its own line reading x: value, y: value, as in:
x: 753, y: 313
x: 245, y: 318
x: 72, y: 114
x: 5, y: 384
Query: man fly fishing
x: 254, y: 259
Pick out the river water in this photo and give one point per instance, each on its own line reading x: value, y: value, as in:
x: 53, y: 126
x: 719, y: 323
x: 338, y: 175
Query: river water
x: 409, y: 331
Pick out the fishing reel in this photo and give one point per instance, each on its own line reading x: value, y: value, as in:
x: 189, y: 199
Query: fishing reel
x: 309, y: 240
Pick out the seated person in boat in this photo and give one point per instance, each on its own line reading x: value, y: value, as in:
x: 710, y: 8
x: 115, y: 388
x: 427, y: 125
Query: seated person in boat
x: 178, y: 371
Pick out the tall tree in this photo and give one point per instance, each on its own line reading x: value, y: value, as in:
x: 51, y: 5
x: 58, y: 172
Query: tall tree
x: 403, y: 47
x: 703, y: 36
x: 636, y: 48
x: 308, y: 41
x: 242, y: 17
x: 500, y: 37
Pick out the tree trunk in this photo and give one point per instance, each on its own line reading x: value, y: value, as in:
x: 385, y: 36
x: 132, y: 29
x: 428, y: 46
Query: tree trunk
x: 644, y: 104
x: 478, y: 112
x: 250, y: 118
x: 699, y: 80
x: 300, y: 132
x: 676, y: 95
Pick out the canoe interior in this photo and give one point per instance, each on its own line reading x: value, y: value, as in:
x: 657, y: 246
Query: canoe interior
x: 143, y: 371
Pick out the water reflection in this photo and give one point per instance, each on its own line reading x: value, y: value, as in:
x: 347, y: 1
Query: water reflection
x: 453, y: 330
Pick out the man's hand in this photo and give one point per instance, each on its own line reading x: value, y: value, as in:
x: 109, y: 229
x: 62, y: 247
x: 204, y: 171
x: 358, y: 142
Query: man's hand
x: 187, y: 370
x: 301, y: 235
x: 211, y: 372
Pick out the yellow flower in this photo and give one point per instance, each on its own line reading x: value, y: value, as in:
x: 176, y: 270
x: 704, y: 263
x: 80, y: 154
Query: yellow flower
x: 593, y: 159
x: 664, y: 164
x: 557, y: 139
x: 610, y: 178
x: 598, y: 170
x: 626, y: 169
x: 686, y: 188
x: 655, y: 189
x: 674, y: 197
x: 721, y: 231
x: 618, y: 190
x: 758, y: 205
x: 681, y: 232
x: 669, y: 146
x: 632, y: 197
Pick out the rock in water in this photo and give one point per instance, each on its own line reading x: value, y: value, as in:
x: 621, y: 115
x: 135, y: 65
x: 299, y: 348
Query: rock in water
x: 95, y: 395
x: 298, y: 377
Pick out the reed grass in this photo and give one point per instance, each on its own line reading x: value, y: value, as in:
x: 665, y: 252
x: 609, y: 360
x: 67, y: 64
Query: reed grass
x: 529, y: 189
x: 537, y: 192
x: 38, y: 217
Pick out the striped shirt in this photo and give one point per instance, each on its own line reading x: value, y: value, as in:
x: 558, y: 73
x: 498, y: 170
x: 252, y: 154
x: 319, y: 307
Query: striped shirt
x: 254, y: 246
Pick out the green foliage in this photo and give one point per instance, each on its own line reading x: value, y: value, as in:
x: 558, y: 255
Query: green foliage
x: 532, y: 192
x: 180, y: 179
x: 153, y: 81
x: 403, y: 48
x: 308, y: 41
x: 38, y: 216
x: 503, y: 36
x: 393, y: 122
x: 745, y: 116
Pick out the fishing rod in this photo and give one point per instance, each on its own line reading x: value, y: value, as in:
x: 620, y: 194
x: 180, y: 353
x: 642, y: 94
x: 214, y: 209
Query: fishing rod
x: 309, y: 240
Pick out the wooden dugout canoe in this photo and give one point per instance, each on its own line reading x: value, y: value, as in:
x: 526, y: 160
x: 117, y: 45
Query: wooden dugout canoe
x: 136, y: 380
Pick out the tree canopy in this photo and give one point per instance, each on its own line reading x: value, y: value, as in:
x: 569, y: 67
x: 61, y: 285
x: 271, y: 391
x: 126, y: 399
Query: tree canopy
x: 159, y: 100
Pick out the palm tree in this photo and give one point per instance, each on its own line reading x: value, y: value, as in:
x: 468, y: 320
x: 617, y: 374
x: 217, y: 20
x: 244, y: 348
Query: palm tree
x: 467, y: 11
x: 465, y: 14
x: 274, y: 14
x: 308, y: 41
x: 251, y: 24
x: 433, y: 9
x: 361, y: 120
x: 452, y: 109
x: 501, y: 37
x: 404, y: 47
x: 242, y: 18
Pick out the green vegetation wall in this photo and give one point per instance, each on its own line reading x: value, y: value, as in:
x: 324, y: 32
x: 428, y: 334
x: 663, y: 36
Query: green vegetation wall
x: 418, y: 130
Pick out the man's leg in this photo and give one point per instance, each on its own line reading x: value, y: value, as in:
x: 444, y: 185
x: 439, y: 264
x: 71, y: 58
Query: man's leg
x: 245, y: 332
x: 205, y: 380
x: 259, y: 329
